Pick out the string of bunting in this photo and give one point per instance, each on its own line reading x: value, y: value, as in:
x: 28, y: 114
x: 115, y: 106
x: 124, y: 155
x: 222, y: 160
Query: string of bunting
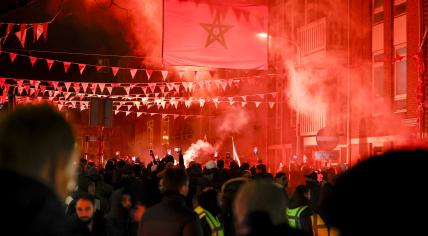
x: 38, y: 28
x: 115, y: 69
x: 34, y: 88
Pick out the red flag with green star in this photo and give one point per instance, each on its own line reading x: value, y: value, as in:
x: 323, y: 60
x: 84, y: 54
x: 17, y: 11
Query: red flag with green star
x: 215, y: 33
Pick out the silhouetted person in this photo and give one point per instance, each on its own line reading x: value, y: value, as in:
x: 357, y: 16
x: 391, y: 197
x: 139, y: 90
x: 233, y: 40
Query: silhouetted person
x: 208, y: 211
x: 299, y: 212
x: 381, y: 196
x: 171, y: 216
x: 37, y: 150
x: 259, y: 209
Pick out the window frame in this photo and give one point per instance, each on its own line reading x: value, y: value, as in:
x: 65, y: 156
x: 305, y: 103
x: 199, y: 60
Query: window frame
x: 398, y: 97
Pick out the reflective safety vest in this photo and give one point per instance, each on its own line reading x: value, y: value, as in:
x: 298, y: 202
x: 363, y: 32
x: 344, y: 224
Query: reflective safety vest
x: 213, y: 222
x: 294, y: 216
x: 319, y: 228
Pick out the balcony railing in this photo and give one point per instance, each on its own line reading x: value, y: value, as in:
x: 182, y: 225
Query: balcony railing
x: 312, y: 121
x: 312, y: 37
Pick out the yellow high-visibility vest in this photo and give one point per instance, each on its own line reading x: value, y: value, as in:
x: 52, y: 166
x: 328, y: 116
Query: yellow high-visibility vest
x: 213, y: 222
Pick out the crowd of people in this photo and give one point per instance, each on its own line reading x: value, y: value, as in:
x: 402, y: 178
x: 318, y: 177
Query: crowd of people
x: 38, y: 174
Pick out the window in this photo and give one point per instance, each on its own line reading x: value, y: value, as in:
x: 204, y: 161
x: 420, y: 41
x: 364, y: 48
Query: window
x: 378, y: 14
x: 378, y: 76
x: 400, y: 73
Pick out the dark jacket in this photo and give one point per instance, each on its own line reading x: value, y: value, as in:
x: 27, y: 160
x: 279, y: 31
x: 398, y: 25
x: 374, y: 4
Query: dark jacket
x: 29, y: 207
x: 170, y: 217
x: 98, y: 226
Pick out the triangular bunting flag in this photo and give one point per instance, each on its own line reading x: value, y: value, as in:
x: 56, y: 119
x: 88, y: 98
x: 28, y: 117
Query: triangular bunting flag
x: 198, y: 75
x: 261, y: 96
x: 230, y: 82
x: 67, y: 85
x: 54, y: 84
x: 163, y: 103
x: 162, y: 88
x: 114, y: 70
x: 85, y: 86
x: 243, y: 104
x: 191, y: 86
x: 271, y: 104
x: 81, y: 68
x: 66, y: 65
x: 274, y: 94
x: 133, y: 72
x: 102, y: 86
x: 152, y: 87
x: 129, y: 107
x: 116, y: 111
x: 50, y: 63
x: 180, y: 74
x: 177, y: 87
x: 257, y: 104
x: 176, y: 116
x: 12, y: 57
x: 76, y: 87
x: 98, y: 68
x: 94, y: 88
x: 144, y: 90
x: 127, y: 89
x: 201, y: 102
x: 109, y: 89
x: 164, y: 74
x: 164, y: 116
x: 149, y: 74
x: 224, y: 85
x: 139, y: 114
x: 45, y: 31
x: 9, y: 28
x: 33, y: 60
x: 170, y: 86
x: 215, y: 100
x: 39, y: 32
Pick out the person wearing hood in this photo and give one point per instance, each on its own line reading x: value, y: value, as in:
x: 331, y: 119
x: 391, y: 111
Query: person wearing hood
x: 299, y: 212
x: 120, y: 221
x: 208, y: 211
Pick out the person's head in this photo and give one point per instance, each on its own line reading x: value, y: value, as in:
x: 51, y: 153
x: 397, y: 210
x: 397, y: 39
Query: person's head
x: 300, y: 197
x: 282, y: 179
x: 259, y: 199
x: 261, y: 169
x: 86, y: 185
x: 208, y: 199
x: 175, y: 180
x: 228, y: 192
x: 234, y: 165
x: 37, y: 141
x: 85, y: 208
x: 245, y: 166
x: 220, y: 164
x: 373, y: 188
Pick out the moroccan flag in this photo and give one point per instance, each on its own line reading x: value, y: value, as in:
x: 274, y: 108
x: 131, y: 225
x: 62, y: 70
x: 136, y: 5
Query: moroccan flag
x: 215, y: 33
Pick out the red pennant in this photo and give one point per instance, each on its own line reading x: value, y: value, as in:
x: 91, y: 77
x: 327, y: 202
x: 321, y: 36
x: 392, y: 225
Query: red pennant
x: 127, y: 89
x: 33, y: 60
x: 36, y: 92
x: 50, y: 63
x: 43, y: 88
x: 149, y: 74
x: 12, y: 57
x: 35, y: 32
x: 21, y: 37
x: 98, y: 67
x: 76, y: 87
x: 45, y: 31
x: 2, y: 81
x: 66, y: 65
x: 177, y: 87
x: 115, y: 70
x: 144, y: 90
x: 94, y: 88
x: 133, y: 72
x: 81, y: 68
x: 9, y: 28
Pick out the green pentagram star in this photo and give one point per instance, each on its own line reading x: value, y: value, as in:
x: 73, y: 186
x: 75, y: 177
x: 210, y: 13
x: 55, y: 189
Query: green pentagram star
x: 216, y: 31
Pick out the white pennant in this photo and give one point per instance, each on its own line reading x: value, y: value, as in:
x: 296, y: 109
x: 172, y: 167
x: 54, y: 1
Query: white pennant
x: 116, y: 111
x: 109, y: 89
x: 129, y: 107
x: 139, y: 114
x: 67, y: 85
x: 164, y: 74
x: 271, y: 104
x: 180, y: 74
x: 177, y: 87
x: 257, y: 104
x: 201, y: 102
x: 152, y: 87
x: 127, y: 89
x: 127, y: 113
x: 102, y: 86
x: 133, y: 72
